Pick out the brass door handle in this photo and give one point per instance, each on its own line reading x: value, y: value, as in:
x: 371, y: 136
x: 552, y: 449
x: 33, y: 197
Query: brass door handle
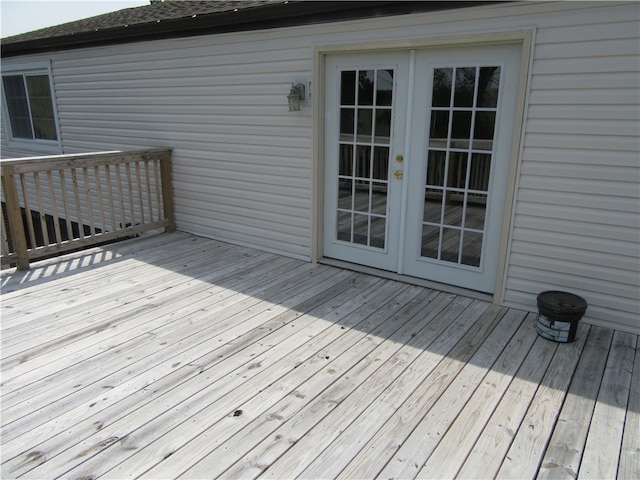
x: 398, y: 174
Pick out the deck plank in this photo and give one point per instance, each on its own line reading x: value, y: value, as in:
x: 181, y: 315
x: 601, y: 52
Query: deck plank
x: 602, y: 449
x: 173, y: 356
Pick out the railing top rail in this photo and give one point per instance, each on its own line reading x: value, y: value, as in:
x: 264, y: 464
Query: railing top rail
x: 51, y: 162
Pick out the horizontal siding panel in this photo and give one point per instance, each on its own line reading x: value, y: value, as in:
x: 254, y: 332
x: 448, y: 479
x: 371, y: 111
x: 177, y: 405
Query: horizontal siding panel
x: 598, y: 48
x: 579, y: 112
x: 604, y: 64
x: 592, y: 187
x: 615, y: 96
x: 573, y: 199
x: 583, y: 215
x: 580, y: 223
x: 614, y: 128
x: 579, y: 158
x: 585, y: 81
x: 582, y: 142
x: 557, y: 169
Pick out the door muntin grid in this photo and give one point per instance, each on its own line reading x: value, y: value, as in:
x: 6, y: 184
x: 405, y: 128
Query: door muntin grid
x: 366, y: 113
x: 460, y: 150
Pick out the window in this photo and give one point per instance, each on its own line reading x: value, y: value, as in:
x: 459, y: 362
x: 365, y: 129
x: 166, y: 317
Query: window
x: 29, y: 104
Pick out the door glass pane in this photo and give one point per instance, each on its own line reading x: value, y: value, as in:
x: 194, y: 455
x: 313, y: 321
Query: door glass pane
x: 461, y: 130
x: 365, y: 125
x: 479, y: 173
x: 378, y: 232
x: 383, y: 126
x: 476, y: 209
x: 457, y: 172
x: 450, y: 245
x: 465, y: 87
x: 453, y: 209
x: 439, y: 129
x: 345, y: 194
x: 430, y: 241
x: 459, y: 163
x: 379, y: 198
x: 442, y: 87
x: 366, y: 81
x: 483, y: 130
x: 363, y: 161
x: 346, y: 160
x: 380, y: 163
x: 488, y: 87
x: 344, y: 226
x: 384, y: 88
x: 436, y: 168
x: 348, y: 88
x: 366, y: 98
x: 347, y: 121
x: 471, y: 248
x: 360, y: 229
x: 362, y: 196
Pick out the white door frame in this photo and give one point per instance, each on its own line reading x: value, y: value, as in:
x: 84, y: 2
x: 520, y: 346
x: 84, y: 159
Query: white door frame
x: 524, y: 38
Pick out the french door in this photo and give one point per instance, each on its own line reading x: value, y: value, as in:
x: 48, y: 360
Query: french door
x: 417, y: 148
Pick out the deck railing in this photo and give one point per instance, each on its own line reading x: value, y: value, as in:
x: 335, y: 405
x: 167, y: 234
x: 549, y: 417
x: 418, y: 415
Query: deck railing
x: 60, y: 203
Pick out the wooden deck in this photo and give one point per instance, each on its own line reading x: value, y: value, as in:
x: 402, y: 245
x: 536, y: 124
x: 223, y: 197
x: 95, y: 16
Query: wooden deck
x: 175, y: 356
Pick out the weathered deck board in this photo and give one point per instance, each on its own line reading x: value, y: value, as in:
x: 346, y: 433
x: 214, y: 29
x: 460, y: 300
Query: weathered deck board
x: 176, y: 356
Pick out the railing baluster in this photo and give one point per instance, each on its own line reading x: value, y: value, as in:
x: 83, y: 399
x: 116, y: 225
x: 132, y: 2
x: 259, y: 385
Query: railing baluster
x: 65, y: 204
x: 112, y: 209
x: 148, y: 183
x: 41, y: 210
x: 54, y: 208
x: 96, y: 172
x: 76, y: 194
x: 139, y: 187
x: 27, y: 210
x: 158, y: 187
x: 123, y: 220
x: 87, y: 189
x: 127, y: 169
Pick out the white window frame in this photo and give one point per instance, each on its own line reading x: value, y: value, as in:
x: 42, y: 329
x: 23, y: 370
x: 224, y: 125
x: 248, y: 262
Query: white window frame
x: 34, y: 144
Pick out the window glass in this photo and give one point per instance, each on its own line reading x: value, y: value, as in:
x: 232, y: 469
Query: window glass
x: 44, y: 125
x: 16, y: 99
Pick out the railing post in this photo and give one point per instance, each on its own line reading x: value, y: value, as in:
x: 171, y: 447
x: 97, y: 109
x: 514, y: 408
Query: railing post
x: 167, y: 191
x: 14, y: 217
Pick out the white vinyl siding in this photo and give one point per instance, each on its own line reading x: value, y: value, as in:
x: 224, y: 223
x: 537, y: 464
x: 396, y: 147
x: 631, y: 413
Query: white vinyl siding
x: 243, y: 163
